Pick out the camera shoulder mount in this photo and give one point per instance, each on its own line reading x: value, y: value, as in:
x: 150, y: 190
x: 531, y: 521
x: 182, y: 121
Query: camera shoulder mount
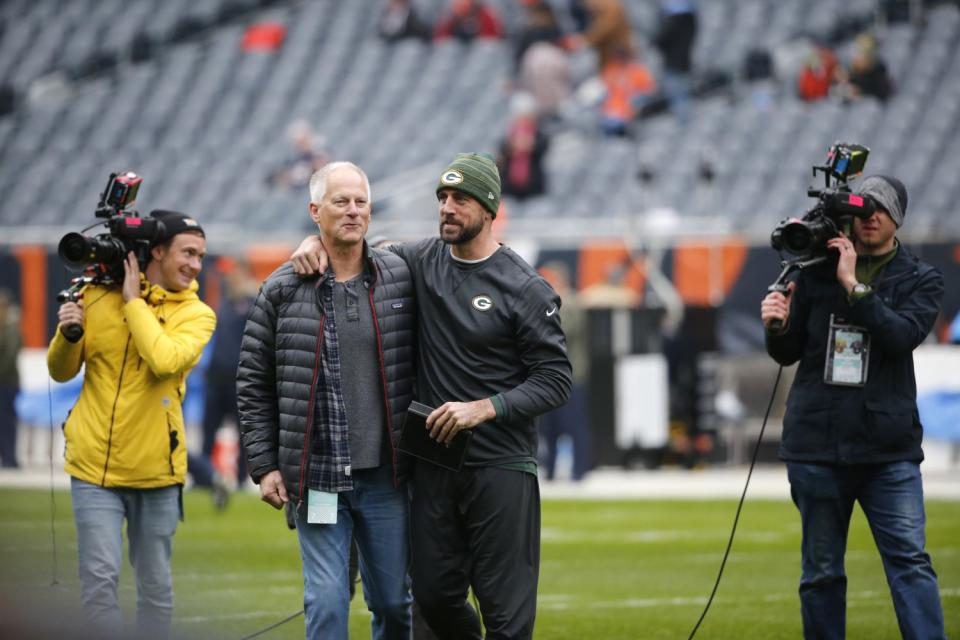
x: 789, y: 266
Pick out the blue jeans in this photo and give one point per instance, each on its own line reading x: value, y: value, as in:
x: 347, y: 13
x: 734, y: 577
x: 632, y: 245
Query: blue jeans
x: 570, y: 419
x: 152, y: 516
x: 200, y: 469
x: 891, y: 496
x: 374, y: 513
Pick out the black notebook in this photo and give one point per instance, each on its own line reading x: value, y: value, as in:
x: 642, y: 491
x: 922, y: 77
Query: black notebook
x: 415, y: 440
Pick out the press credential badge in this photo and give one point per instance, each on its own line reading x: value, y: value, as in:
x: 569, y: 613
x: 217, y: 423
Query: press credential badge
x: 321, y: 507
x: 848, y: 354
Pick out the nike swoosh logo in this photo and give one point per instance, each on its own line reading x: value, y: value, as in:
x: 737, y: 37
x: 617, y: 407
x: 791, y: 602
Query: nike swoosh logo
x: 551, y: 312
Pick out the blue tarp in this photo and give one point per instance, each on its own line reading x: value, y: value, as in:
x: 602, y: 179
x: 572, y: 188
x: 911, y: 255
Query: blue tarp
x: 940, y: 415
x: 35, y: 406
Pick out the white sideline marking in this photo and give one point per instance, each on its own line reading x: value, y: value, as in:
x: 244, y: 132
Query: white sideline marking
x: 560, y: 602
x: 563, y: 601
x: 262, y: 576
x: 559, y: 536
x: 276, y: 616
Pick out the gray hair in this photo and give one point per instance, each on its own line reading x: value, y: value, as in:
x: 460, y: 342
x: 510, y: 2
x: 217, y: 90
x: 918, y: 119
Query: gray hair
x: 318, y: 181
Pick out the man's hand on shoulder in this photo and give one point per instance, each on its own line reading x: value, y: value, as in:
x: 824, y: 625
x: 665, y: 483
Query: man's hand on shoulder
x: 451, y: 417
x: 272, y: 489
x: 310, y: 257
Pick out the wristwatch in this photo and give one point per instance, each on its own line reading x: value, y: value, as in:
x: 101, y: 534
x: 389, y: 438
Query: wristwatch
x: 859, y: 289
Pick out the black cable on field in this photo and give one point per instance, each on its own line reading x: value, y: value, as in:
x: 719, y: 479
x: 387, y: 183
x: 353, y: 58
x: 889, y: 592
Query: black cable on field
x: 274, y: 625
x: 300, y: 613
x: 736, y: 518
x: 54, y: 568
x: 53, y: 503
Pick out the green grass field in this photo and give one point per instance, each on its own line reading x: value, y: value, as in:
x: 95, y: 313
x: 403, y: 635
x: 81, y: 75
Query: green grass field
x: 610, y: 570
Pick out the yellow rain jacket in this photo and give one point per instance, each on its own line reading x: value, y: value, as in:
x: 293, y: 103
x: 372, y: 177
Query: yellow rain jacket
x: 126, y: 430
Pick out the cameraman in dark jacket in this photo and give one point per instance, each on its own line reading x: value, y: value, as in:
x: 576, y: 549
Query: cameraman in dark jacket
x: 852, y: 431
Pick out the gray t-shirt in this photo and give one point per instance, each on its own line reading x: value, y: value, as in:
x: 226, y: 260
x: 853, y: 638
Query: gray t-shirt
x: 359, y: 372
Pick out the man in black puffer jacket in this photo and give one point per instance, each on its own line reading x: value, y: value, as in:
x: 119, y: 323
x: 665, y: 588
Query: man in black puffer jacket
x: 852, y: 432
x: 326, y: 373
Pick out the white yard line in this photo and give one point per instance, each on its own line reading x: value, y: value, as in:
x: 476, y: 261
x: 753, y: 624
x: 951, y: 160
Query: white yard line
x: 767, y: 482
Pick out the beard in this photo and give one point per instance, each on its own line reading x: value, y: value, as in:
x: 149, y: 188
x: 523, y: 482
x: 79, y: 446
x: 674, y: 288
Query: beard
x: 460, y: 234
x: 878, y: 240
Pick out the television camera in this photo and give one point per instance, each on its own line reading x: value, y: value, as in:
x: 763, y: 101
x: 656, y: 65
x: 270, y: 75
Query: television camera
x: 99, y: 258
x: 836, y: 206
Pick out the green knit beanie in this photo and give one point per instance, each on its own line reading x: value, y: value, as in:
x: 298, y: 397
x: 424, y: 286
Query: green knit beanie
x: 476, y: 175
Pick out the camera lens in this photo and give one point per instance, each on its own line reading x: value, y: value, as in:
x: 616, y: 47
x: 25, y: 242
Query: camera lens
x: 796, y: 238
x: 77, y: 251
x: 74, y: 250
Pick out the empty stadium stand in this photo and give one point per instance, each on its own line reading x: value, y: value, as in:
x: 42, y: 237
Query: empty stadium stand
x: 165, y: 88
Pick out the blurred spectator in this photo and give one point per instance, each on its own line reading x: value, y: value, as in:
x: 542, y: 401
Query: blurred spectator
x: 220, y: 401
x: 520, y: 160
x: 954, y: 331
x: 205, y: 476
x: 8, y: 99
x: 609, y: 29
x: 579, y: 15
x: 868, y: 74
x: 399, y: 20
x: 758, y: 65
x: 688, y: 346
x: 894, y: 11
x: 545, y: 73
x: 308, y: 156
x: 675, y: 37
x: 628, y: 84
x: 572, y: 419
x: 260, y: 36
x: 758, y: 71
x: 817, y: 73
x: 10, y: 342
x: 468, y: 19
x: 539, y: 25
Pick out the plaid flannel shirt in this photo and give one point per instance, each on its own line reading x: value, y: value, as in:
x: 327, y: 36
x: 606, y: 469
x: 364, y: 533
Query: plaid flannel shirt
x: 329, y: 468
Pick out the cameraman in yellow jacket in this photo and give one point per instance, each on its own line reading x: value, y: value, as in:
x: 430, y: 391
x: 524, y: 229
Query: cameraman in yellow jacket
x: 125, y: 441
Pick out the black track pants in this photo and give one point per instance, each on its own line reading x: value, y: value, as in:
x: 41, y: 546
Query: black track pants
x: 477, y: 528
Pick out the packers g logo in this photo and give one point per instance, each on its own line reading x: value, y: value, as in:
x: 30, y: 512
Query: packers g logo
x: 452, y: 177
x: 482, y: 303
